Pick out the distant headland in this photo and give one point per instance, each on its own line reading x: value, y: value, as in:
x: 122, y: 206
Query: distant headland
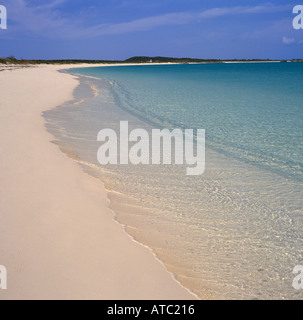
x: 136, y: 60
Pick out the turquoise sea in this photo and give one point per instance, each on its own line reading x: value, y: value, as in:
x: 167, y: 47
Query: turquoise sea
x: 234, y: 232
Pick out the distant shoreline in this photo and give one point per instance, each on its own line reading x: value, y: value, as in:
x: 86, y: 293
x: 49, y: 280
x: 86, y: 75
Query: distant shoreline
x: 135, y: 60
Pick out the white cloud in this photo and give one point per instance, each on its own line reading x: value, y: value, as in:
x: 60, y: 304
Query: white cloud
x: 44, y: 19
x: 47, y: 20
x: 179, y: 18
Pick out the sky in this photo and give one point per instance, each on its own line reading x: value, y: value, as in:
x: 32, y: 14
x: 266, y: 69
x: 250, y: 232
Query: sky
x: 119, y: 29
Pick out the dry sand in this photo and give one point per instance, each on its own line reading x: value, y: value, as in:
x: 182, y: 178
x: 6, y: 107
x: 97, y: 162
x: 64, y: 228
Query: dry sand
x: 58, y: 239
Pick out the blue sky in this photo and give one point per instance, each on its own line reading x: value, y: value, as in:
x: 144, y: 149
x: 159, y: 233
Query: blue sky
x: 119, y: 29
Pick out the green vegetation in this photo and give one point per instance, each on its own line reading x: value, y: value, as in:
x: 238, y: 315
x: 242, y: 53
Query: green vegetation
x: 141, y: 59
x: 13, y: 60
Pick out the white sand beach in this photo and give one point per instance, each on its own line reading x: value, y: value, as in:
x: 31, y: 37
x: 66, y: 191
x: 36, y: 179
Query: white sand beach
x: 58, y: 239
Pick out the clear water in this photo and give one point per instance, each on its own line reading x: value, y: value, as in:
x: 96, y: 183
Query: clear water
x: 236, y: 231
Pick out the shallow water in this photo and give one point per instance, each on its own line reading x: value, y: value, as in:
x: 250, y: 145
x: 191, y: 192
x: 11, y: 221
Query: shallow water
x: 234, y: 232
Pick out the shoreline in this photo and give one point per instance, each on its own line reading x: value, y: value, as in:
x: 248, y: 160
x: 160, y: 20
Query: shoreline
x: 111, y: 204
x: 58, y: 239
x: 183, y: 243
x: 88, y: 165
